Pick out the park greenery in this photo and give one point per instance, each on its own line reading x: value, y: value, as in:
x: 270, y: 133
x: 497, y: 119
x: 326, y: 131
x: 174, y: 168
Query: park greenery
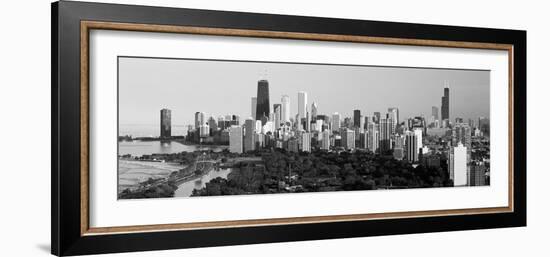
x: 282, y: 171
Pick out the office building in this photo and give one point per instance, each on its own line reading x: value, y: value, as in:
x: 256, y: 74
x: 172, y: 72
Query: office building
x: 336, y: 122
x: 394, y: 116
x: 385, y: 135
x: 249, y: 131
x: 236, y: 139
x: 277, y: 115
x: 165, y: 123
x: 285, y: 108
x: 462, y: 133
x: 356, y: 118
x: 458, y: 168
x: 325, y: 141
x: 347, y: 138
x: 314, y: 111
x: 200, y: 119
x: 445, y: 104
x: 411, y: 145
x: 435, y: 112
x: 302, y: 105
x: 262, y: 105
x: 253, y: 106
x: 306, y: 142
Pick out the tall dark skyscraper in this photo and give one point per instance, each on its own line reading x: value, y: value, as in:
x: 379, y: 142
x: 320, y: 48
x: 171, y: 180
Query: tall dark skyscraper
x: 356, y: 118
x: 262, y: 104
x: 445, y: 104
x: 165, y: 123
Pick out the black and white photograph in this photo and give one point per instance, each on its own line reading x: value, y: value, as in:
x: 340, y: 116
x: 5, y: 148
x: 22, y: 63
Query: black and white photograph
x: 204, y: 127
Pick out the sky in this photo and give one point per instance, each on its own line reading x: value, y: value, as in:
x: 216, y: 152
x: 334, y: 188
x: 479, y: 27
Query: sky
x: 147, y: 85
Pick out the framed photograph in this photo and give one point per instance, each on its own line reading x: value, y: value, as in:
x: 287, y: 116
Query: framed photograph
x: 178, y: 128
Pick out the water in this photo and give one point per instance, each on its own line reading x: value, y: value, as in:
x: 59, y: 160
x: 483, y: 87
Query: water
x: 148, y: 130
x: 186, y: 189
x: 132, y: 172
x: 139, y: 148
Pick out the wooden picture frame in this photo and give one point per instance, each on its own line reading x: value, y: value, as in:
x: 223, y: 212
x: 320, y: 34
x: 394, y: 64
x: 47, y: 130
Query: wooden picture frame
x: 71, y: 25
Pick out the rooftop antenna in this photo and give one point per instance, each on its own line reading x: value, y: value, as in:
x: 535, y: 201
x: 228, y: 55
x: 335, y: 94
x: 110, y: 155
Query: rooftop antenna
x: 263, y: 74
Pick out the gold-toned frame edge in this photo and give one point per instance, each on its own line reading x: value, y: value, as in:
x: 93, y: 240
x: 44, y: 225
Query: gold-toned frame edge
x: 86, y: 26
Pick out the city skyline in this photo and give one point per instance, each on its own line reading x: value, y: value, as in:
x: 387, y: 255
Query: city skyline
x: 378, y: 84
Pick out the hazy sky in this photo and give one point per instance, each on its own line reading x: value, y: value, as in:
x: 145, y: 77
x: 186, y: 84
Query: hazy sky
x: 216, y: 88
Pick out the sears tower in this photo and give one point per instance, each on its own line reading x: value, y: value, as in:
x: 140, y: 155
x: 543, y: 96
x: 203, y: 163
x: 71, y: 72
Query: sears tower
x: 445, y: 104
x: 262, y: 104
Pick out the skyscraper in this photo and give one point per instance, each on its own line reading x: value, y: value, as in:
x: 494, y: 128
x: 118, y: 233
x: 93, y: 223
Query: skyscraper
x: 394, y: 115
x: 445, y: 104
x: 376, y: 117
x: 285, y: 110
x: 314, y: 111
x: 325, y: 142
x: 306, y: 142
x: 462, y: 133
x: 374, y: 137
x: 249, y: 131
x: 254, y: 103
x: 277, y: 115
x: 435, y: 112
x: 348, y: 138
x: 199, y: 119
x: 356, y: 118
x: 212, y: 124
x: 302, y: 105
x: 165, y: 123
x: 236, y: 139
x: 418, y: 133
x: 336, y: 122
x: 262, y: 106
x: 385, y: 135
x: 458, y: 169
x: 411, y: 144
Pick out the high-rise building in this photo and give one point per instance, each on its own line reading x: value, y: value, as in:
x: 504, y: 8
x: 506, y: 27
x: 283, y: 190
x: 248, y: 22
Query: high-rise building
x: 262, y: 106
x: 200, y: 119
x: 399, y: 150
x: 277, y: 115
x: 336, y: 122
x: 204, y: 131
x: 348, y: 138
x: 485, y: 126
x: 477, y: 175
x: 314, y: 111
x: 374, y: 137
x: 376, y: 117
x: 302, y: 105
x: 364, y: 139
x: 356, y: 118
x: 236, y: 139
x: 435, y: 112
x: 462, y: 133
x: 418, y: 133
x: 385, y: 135
x: 212, y: 125
x: 253, y: 106
x: 285, y: 108
x: 366, y: 123
x: 165, y: 123
x: 306, y: 142
x: 458, y: 168
x: 221, y: 123
x: 445, y: 104
x: 411, y: 144
x: 249, y: 131
x: 394, y: 115
x: 325, y: 141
